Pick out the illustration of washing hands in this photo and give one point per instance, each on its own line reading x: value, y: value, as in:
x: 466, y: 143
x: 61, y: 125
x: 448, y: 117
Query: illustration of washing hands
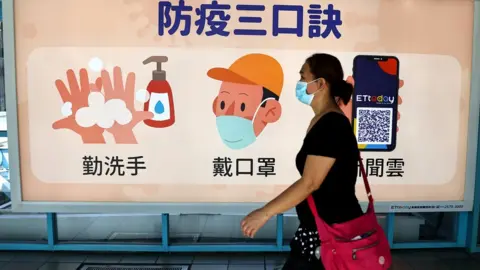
x: 90, y: 109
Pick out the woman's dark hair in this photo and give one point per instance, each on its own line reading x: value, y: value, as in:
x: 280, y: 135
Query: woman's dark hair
x: 328, y: 67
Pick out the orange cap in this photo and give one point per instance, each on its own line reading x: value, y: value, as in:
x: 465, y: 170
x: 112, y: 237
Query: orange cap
x: 253, y: 69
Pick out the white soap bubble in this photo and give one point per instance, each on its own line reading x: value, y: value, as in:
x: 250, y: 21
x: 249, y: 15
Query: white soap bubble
x: 85, y: 117
x: 67, y: 109
x: 96, y: 99
x: 106, y: 123
x: 142, y: 95
x: 105, y: 120
x: 115, y: 109
x: 104, y: 114
x: 124, y: 117
x: 95, y: 64
x: 113, y: 105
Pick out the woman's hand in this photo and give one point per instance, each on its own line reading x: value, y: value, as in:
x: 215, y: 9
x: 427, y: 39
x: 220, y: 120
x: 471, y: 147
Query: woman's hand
x: 254, y: 221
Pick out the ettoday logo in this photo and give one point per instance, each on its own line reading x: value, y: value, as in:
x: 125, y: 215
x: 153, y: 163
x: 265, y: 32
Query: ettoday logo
x: 376, y: 99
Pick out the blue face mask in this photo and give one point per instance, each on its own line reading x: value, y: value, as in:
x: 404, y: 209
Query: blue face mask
x: 301, y: 92
x: 237, y: 132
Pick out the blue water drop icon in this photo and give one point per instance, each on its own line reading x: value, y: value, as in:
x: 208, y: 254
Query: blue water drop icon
x: 159, y: 107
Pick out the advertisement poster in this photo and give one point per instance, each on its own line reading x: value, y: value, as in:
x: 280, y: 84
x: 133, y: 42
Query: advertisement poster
x: 146, y: 101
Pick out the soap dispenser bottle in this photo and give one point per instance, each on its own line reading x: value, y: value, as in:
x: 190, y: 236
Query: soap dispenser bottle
x: 161, y: 98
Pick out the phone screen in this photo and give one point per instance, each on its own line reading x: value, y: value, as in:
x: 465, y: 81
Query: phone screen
x: 375, y: 102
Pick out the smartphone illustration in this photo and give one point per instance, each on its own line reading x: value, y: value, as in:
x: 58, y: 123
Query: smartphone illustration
x: 375, y: 102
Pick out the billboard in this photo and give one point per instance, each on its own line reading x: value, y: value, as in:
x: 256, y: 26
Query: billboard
x: 189, y: 106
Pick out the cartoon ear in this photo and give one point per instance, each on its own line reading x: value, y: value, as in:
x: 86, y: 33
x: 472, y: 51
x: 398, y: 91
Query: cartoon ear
x: 272, y: 111
x: 214, y: 106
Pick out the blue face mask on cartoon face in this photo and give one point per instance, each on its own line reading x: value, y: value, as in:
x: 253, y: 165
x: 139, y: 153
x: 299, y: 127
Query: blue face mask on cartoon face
x: 301, y: 92
x: 237, y: 132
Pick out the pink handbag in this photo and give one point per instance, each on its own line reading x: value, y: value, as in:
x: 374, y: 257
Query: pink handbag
x: 359, y: 244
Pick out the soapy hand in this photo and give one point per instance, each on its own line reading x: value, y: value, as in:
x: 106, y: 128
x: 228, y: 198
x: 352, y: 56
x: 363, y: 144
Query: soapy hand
x: 75, y: 97
x: 347, y: 109
x: 117, y: 89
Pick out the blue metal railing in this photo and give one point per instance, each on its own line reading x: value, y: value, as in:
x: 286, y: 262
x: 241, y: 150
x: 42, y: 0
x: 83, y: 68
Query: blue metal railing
x: 53, y: 244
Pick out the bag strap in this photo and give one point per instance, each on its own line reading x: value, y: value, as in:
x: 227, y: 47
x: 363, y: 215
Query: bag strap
x: 323, y: 233
x: 365, y: 181
x: 321, y: 225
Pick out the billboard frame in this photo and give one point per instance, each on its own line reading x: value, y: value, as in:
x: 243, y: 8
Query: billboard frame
x: 19, y: 205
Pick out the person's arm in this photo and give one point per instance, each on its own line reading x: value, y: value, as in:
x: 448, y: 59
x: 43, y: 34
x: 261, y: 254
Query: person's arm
x: 322, y: 147
x: 315, y: 171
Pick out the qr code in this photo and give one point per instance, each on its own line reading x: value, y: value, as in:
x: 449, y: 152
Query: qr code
x: 374, y: 125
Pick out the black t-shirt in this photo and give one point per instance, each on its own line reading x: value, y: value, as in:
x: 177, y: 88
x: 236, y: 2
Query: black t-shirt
x: 332, y: 136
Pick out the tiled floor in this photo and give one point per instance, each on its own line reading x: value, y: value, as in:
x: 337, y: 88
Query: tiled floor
x: 403, y: 260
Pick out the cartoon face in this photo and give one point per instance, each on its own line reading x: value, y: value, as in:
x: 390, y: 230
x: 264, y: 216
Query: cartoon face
x: 248, y: 98
x: 242, y: 112
x: 238, y: 99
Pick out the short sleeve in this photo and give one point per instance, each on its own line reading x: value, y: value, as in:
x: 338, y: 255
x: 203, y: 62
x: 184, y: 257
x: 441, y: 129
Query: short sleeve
x: 329, y: 136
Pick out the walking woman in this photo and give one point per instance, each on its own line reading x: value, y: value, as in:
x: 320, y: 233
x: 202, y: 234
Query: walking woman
x: 327, y: 163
